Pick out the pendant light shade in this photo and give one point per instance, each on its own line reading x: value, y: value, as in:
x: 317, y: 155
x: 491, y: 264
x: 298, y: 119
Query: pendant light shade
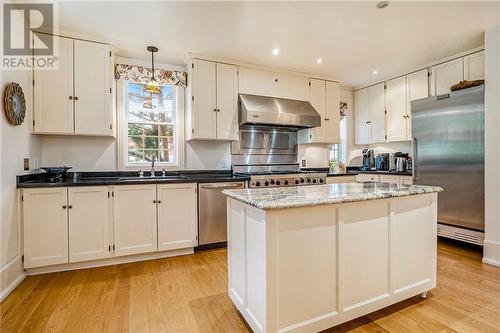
x: 152, y: 86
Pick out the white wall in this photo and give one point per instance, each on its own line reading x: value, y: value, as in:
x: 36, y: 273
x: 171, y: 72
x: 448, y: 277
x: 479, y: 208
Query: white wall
x: 491, y: 253
x: 209, y: 155
x: 16, y: 143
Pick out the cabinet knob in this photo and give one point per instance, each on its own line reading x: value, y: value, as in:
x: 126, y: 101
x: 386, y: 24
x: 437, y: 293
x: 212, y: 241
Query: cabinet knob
x: 76, y: 98
x: 70, y: 206
x: 154, y: 201
x: 159, y: 201
x: 70, y: 97
x: 64, y: 206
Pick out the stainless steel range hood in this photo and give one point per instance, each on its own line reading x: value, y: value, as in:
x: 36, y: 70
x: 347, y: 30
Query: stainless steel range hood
x: 272, y: 111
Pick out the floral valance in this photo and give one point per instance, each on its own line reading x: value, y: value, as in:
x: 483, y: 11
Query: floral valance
x: 141, y: 74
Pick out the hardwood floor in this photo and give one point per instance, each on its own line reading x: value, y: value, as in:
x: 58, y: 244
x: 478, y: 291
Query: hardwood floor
x: 188, y: 294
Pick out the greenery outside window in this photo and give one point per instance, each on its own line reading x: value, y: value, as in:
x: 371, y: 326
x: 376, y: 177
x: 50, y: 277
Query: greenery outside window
x: 151, y: 125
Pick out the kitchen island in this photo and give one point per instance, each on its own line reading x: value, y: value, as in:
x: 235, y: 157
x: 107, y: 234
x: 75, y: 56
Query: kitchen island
x: 311, y: 257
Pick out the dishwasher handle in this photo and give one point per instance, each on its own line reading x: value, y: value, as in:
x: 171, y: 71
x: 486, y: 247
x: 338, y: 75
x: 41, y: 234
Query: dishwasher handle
x: 222, y: 186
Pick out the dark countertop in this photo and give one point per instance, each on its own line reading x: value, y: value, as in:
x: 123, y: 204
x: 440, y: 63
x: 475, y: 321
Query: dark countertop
x: 327, y: 170
x: 39, y: 180
x: 357, y: 170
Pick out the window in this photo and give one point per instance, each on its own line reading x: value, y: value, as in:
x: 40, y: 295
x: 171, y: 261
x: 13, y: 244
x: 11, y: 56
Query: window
x: 150, y: 125
x: 334, y: 152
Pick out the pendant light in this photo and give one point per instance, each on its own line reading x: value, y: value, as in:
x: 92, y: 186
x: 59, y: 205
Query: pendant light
x: 152, y: 86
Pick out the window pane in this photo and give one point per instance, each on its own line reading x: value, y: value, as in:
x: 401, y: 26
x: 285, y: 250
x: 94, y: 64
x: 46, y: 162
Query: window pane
x: 166, y: 156
x: 135, y: 142
x: 135, y: 155
x: 166, y: 143
x: 151, y: 130
x: 166, y: 130
x: 149, y: 155
x: 150, y: 142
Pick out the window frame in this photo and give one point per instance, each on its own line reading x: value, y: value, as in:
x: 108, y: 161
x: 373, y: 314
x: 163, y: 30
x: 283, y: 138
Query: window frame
x: 179, y: 137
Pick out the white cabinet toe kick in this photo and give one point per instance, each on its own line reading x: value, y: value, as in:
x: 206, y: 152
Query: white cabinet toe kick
x: 310, y: 268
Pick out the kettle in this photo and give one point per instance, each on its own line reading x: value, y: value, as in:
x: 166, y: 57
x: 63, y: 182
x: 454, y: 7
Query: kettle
x: 400, y: 164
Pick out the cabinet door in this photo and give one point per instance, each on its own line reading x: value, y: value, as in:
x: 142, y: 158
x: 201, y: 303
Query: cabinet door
x: 417, y: 85
x: 395, y: 104
x: 256, y: 82
x: 445, y: 75
x: 45, y: 217
x: 332, y: 112
x: 134, y: 209
x: 362, y: 129
x: 406, y: 180
x: 366, y: 177
x: 177, y: 216
x: 317, y: 99
x: 53, y: 92
x: 204, y: 104
x: 474, y: 66
x: 390, y: 179
x: 293, y: 87
x: 89, y: 223
x: 227, y: 102
x: 93, y: 107
x: 377, y: 112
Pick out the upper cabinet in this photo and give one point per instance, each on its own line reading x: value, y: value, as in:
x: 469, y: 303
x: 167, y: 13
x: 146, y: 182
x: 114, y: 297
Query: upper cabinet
x: 474, y: 66
x: 324, y: 96
x: 212, y: 101
x: 76, y: 98
x: 396, y: 107
x: 369, y: 114
x: 444, y: 75
x: 258, y: 82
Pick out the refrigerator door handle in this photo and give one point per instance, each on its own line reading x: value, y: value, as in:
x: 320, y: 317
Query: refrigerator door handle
x: 415, y: 159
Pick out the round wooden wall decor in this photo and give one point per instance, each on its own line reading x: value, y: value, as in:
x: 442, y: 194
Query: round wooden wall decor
x: 14, y: 103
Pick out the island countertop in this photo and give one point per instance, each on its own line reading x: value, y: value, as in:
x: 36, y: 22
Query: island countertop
x: 301, y: 196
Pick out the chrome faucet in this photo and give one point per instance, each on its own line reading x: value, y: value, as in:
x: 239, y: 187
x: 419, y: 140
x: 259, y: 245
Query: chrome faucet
x: 153, y: 168
x: 163, y: 172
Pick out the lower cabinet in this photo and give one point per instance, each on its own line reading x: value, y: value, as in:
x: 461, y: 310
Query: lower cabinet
x: 46, y: 226
x: 90, y: 226
x: 134, y: 211
x: 367, y: 177
x: 340, y: 179
x: 67, y: 225
x: 177, y: 216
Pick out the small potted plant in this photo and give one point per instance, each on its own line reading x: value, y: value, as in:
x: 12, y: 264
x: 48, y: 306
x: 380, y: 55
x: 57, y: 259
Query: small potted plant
x: 334, y: 166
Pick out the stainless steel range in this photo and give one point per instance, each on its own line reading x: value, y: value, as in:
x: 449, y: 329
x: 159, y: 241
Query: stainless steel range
x: 269, y: 156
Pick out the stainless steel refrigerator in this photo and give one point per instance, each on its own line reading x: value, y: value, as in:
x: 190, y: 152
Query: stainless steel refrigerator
x: 448, y: 151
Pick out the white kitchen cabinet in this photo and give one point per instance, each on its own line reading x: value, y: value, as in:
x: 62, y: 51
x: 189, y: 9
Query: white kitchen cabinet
x: 340, y: 179
x: 376, y: 95
x: 77, y: 97
x: 406, y: 180
x: 293, y: 87
x: 417, y: 85
x: 258, y: 82
x: 332, y: 112
x: 45, y: 215
x: 392, y: 179
x: 134, y: 211
x: 53, y: 92
x: 212, y: 101
x: 444, y: 75
x: 92, y: 88
x: 396, y: 106
x: 362, y: 128
x: 474, y: 66
x: 177, y: 216
x: 367, y: 177
x: 90, y: 233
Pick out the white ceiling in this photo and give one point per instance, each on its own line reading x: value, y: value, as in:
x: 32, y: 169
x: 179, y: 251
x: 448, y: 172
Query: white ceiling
x: 353, y: 38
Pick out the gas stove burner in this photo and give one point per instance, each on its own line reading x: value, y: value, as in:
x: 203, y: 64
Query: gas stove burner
x: 287, y: 179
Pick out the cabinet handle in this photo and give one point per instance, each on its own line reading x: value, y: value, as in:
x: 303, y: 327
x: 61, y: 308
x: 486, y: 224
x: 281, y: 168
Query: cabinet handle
x: 70, y: 97
x: 64, y: 206
x: 76, y: 98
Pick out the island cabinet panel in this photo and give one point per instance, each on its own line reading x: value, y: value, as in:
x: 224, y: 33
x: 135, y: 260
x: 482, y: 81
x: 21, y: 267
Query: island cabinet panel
x: 305, y: 238
x: 365, y: 242
x: 412, y: 243
x: 236, y: 251
x: 135, y: 226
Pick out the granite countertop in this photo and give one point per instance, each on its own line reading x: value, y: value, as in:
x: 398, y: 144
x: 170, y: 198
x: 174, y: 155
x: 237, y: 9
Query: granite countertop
x: 39, y: 180
x: 300, y: 196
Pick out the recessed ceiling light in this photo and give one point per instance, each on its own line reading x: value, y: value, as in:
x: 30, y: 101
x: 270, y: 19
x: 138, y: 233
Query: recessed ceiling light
x: 319, y: 61
x: 382, y: 4
x: 276, y: 51
x: 375, y: 72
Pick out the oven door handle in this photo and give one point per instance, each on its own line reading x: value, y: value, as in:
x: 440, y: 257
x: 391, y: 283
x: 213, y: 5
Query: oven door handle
x: 221, y: 186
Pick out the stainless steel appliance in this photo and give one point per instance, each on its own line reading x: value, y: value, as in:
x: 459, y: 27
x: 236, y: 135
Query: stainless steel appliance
x: 281, y: 179
x: 272, y: 111
x: 382, y: 162
x: 448, y: 143
x: 368, y: 160
x: 212, y: 212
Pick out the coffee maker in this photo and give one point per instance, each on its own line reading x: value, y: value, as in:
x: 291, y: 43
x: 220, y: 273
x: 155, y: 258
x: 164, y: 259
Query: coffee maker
x: 368, y: 159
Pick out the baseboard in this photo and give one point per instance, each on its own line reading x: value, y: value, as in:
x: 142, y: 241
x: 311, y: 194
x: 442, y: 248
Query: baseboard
x: 491, y: 253
x: 11, y: 275
x: 108, y: 261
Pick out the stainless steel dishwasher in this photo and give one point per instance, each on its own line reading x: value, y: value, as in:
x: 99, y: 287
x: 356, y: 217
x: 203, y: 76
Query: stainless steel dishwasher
x: 212, y: 213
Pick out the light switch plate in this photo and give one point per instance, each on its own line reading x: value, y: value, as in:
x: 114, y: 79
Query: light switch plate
x: 303, y: 163
x: 26, y: 163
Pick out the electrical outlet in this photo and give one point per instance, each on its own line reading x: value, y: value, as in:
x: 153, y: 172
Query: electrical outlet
x: 26, y: 163
x: 303, y: 163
